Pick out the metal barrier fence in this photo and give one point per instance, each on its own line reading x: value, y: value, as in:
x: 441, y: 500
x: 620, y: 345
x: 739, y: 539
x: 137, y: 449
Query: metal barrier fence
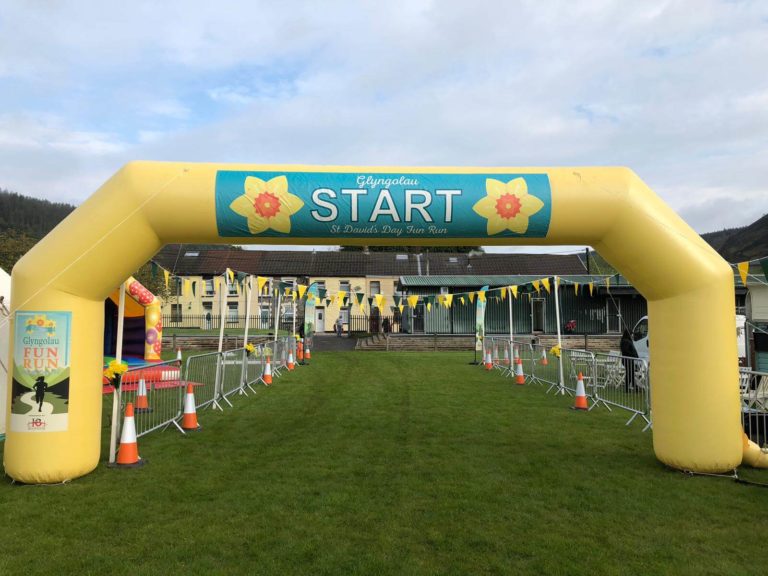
x: 610, y: 380
x: 621, y: 382
x: 204, y: 372
x: 161, y: 388
x: 753, y: 388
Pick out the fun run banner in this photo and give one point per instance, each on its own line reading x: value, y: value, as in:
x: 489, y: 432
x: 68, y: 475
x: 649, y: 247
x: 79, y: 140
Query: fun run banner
x: 398, y: 206
x: 480, y: 319
x: 40, y: 398
x: 309, y: 311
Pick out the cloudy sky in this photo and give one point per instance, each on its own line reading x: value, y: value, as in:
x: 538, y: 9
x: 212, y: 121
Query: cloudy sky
x: 676, y: 90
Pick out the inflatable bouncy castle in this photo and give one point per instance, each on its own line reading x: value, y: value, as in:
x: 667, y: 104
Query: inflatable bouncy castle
x: 142, y: 326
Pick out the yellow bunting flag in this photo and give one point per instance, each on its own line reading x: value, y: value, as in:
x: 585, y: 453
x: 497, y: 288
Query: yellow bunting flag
x: 302, y: 290
x: 401, y: 307
x: 293, y: 295
x: 340, y: 295
x: 217, y: 284
x: 448, y: 300
x: 503, y: 293
x: 380, y: 300
x: 481, y: 295
x: 462, y: 301
x: 591, y: 288
x: 536, y: 285
x: 471, y: 297
x: 167, y: 276
x: 514, y: 290
x: 231, y: 275
x: 187, y: 287
x: 743, y: 271
x: 261, y: 281
x: 576, y: 288
x: 545, y: 282
x: 429, y: 306
x: 413, y: 300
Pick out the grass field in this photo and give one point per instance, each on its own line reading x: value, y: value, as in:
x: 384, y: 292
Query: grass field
x: 385, y: 463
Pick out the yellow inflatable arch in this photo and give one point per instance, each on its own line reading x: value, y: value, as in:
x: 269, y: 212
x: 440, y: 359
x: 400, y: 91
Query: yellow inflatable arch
x: 59, y: 287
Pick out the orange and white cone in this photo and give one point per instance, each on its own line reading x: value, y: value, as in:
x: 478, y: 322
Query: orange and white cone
x: 307, y: 355
x: 142, y: 404
x: 189, y: 420
x: 581, y: 395
x: 290, y: 364
x: 300, y: 350
x: 128, y: 452
x: 266, y: 376
x: 544, y: 359
x: 519, y: 375
x: 488, y: 360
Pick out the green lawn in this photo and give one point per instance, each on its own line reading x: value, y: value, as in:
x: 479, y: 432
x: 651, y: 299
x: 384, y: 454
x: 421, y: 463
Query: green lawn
x: 385, y: 463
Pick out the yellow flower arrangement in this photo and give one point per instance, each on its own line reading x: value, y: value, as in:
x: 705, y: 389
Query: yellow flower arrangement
x: 114, y: 372
x: 250, y: 348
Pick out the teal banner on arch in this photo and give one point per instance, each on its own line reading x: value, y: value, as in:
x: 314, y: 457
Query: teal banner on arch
x: 389, y: 206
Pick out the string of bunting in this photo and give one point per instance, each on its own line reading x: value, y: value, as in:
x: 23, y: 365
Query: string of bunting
x: 343, y: 298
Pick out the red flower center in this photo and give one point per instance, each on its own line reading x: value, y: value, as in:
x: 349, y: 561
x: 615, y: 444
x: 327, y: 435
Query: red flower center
x: 266, y: 204
x: 508, y: 206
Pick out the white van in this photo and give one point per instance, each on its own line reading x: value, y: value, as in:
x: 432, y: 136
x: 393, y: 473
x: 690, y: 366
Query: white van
x: 640, y: 337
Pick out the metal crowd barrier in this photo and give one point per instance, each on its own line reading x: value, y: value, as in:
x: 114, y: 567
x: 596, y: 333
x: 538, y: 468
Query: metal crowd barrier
x: 753, y: 388
x: 621, y: 382
x: 161, y: 386
x: 610, y: 380
x: 204, y: 372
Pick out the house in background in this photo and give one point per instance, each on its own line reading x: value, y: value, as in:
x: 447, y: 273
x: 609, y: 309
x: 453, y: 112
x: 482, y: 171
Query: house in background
x: 368, y: 272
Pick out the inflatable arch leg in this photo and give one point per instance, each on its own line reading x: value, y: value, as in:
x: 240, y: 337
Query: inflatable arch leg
x: 66, y: 277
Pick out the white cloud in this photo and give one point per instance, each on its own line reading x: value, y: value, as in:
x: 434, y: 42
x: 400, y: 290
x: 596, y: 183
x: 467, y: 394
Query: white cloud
x: 675, y: 90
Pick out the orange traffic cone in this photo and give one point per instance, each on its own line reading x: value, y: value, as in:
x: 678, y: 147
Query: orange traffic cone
x: 488, y: 360
x: 142, y: 404
x: 300, y: 350
x: 544, y: 360
x: 290, y: 364
x: 581, y: 395
x: 519, y: 375
x: 128, y: 453
x: 266, y: 375
x: 307, y: 355
x: 189, y: 420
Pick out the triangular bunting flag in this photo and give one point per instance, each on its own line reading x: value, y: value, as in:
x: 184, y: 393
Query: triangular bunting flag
x: 397, y: 300
x: 260, y: 282
x: 322, y: 293
x: 302, y: 289
x: 340, y: 295
x: 380, y: 301
x: 545, y: 282
x: 504, y: 293
x: 462, y: 301
x: 230, y: 275
x: 413, y: 300
x: 471, y: 297
x: 743, y: 271
x: 481, y: 295
x: 359, y: 296
x: 514, y: 290
x: 448, y: 300
x: 576, y: 288
x: 536, y: 285
x: 217, y: 285
x: 167, y: 276
x: 401, y: 307
x: 591, y: 288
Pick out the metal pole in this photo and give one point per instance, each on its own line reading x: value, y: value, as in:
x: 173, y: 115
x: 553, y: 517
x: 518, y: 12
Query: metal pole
x: 248, y: 291
x: 117, y: 392
x: 511, y: 319
x: 559, y: 338
x: 277, y: 313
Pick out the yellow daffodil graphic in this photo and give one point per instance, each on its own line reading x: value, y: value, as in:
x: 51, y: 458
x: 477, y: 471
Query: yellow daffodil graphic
x: 507, y: 206
x: 267, y: 204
